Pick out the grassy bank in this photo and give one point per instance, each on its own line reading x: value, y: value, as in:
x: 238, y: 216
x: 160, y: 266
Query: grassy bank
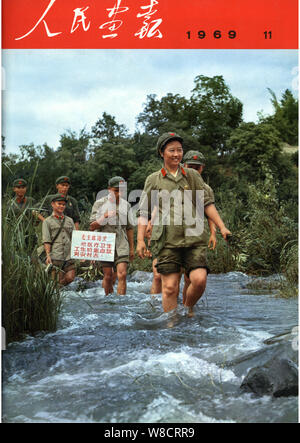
x: 30, y: 298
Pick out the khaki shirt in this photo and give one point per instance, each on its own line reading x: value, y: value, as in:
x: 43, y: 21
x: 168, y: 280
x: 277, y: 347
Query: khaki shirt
x: 212, y: 197
x: 61, y: 248
x: 210, y: 191
x: 176, y: 225
x: 118, y: 225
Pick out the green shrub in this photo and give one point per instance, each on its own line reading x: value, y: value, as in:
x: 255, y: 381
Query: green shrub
x: 289, y: 261
x: 261, y: 228
x: 289, y: 268
x: 31, y: 300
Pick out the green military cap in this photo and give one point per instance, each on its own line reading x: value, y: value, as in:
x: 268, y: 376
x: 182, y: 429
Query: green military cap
x: 194, y: 158
x: 19, y: 182
x: 59, y: 198
x: 166, y: 138
x: 116, y: 182
x: 63, y: 179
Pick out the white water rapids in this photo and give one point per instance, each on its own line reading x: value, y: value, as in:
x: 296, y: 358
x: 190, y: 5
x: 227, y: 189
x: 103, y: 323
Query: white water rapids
x: 122, y: 360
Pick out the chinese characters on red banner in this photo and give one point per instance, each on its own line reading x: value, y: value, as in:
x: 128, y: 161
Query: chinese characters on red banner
x: 116, y: 15
x: 147, y: 29
x: 115, y: 23
x: 80, y: 18
x: 41, y: 20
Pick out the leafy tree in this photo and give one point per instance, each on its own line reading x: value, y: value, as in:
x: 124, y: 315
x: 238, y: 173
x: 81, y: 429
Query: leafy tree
x: 285, y: 117
x: 111, y: 153
x: 254, y: 147
x: 109, y: 160
x: 215, y: 112
x: 107, y: 129
x: 47, y: 172
x: 72, y: 156
x: 171, y: 113
x: 144, y: 146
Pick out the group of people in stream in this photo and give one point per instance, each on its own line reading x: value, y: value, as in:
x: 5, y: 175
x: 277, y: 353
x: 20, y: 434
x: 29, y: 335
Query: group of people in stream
x: 170, y: 226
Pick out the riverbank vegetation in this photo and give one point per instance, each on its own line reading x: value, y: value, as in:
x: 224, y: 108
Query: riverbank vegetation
x: 251, y: 166
x: 31, y: 300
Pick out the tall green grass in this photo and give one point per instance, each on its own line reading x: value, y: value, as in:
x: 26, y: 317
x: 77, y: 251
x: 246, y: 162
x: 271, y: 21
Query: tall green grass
x: 31, y: 300
x: 289, y: 265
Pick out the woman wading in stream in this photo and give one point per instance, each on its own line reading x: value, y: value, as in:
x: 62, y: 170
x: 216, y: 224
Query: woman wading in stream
x: 175, y: 241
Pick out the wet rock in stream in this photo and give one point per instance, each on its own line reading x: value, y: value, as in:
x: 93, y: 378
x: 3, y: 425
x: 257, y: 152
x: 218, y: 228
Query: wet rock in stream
x: 277, y: 377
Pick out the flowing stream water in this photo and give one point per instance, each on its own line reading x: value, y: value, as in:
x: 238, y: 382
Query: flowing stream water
x: 122, y: 360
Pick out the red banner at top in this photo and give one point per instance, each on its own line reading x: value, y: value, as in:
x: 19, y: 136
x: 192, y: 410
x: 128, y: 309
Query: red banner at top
x: 150, y: 24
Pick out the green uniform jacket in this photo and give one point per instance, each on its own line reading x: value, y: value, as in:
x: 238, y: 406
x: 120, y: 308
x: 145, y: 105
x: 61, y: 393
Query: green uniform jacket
x: 18, y: 208
x: 210, y: 191
x: 71, y: 208
x: 172, y: 228
x: 61, y: 248
x: 122, y: 223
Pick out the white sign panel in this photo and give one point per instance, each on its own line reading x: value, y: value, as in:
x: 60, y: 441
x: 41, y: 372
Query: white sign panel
x: 87, y: 245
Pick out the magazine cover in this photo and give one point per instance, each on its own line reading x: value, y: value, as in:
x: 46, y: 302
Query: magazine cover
x: 149, y: 214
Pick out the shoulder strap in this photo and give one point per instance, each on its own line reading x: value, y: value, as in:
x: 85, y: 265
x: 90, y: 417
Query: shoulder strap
x: 59, y: 231
x: 189, y: 178
x: 192, y: 185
